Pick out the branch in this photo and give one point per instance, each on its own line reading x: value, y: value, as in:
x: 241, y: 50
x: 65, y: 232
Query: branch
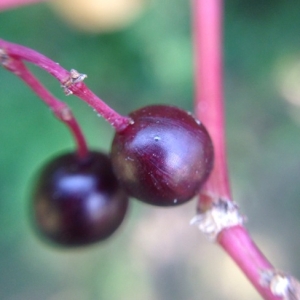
x: 209, y: 87
x: 218, y: 216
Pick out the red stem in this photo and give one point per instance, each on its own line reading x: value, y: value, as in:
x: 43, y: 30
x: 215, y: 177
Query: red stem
x: 237, y: 242
x: 209, y: 86
x: 63, y: 76
x: 60, y: 109
x: 207, y: 22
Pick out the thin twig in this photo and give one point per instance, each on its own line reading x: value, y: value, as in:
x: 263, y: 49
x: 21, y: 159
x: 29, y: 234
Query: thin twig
x: 70, y: 81
x: 60, y: 109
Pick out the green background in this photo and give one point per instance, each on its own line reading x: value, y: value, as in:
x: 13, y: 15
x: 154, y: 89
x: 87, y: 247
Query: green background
x: 156, y: 254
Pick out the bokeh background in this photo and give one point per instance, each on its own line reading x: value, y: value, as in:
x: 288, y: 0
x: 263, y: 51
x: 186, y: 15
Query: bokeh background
x: 136, y: 57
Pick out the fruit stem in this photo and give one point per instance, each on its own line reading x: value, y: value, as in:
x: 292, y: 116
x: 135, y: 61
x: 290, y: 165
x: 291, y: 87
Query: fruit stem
x: 209, y: 108
x: 60, y: 109
x: 70, y: 81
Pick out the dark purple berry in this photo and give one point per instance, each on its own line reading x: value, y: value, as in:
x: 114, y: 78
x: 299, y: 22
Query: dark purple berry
x: 164, y: 157
x: 78, y: 201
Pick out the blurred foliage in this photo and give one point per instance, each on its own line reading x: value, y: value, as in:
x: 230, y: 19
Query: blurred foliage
x: 156, y: 255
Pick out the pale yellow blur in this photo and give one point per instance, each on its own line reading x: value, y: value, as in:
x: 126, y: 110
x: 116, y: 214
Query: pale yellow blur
x: 99, y: 15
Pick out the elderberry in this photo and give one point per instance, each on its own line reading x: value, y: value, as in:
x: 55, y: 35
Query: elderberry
x: 78, y: 201
x: 163, y: 157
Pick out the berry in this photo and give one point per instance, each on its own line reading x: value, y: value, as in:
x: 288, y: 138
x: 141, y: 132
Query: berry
x: 164, y: 157
x: 78, y: 201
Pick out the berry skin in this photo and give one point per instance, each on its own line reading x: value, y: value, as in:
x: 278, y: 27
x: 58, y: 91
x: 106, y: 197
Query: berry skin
x: 164, y: 157
x: 78, y: 201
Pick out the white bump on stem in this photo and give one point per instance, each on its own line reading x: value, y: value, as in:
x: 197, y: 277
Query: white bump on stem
x: 281, y: 284
x: 220, y: 215
x: 65, y: 114
x: 3, y: 57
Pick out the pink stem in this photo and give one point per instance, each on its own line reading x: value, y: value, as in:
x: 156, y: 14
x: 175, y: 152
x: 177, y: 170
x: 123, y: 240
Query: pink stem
x: 60, y: 109
x: 207, y: 19
x: 209, y: 86
x: 116, y: 120
x: 8, y: 4
x: 63, y: 76
x: 237, y: 242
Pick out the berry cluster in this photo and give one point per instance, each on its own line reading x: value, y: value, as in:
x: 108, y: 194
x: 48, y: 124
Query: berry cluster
x: 162, y: 158
x: 160, y: 155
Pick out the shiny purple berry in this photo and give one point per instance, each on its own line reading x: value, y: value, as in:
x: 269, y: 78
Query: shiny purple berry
x: 78, y: 201
x: 164, y: 157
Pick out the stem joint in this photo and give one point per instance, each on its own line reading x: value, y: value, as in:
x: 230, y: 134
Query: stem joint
x: 75, y: 77
x: 218, y: 215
